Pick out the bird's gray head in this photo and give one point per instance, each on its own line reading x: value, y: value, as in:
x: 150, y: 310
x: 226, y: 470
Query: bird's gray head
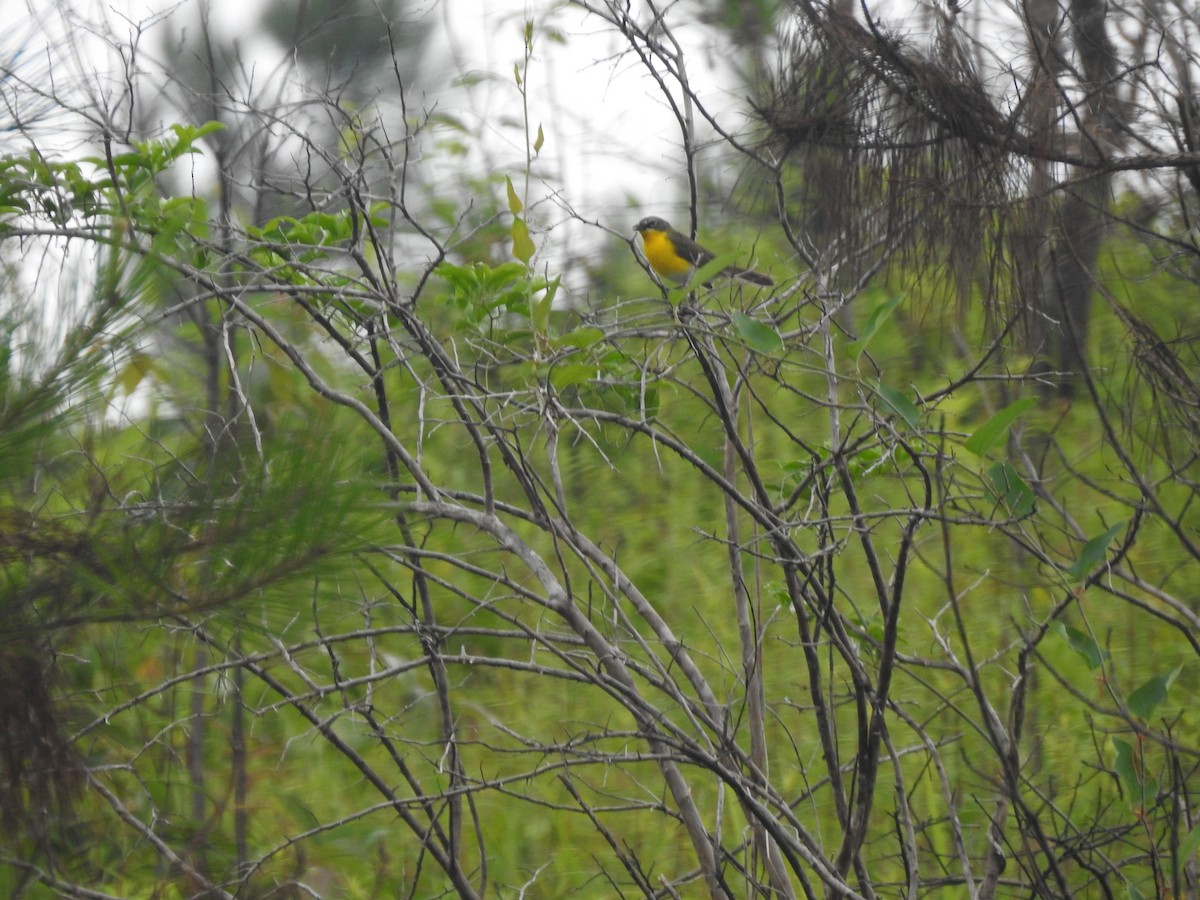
x: 651, y: 223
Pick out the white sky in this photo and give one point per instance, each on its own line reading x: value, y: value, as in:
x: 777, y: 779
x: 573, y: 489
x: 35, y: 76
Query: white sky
x: 612, y: 147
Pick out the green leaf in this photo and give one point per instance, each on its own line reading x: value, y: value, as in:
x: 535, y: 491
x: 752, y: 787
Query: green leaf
x: 650, y: 402
x: 712, y: 268
x: 863, y: 463
x: 987, y: 434
x: 494, y: 279
x: 462, y: 279
x: 301, y: 813
x: 514, y: 202
x: 580, y: 338
x: 129, y: 159
x: 1140, y: 788
x: 873, y: 626
x: 899, y: 403
x: 760, y: 337
x: 189, y: 134
x: 1093, y: 551
x: 523, y: 248
x: 1126, y: 768
x: 539, y: 315
x: 515, y: 300
x: 139, y: 365
x: 1187, y: 849
x: 779, y: 593
x: 1083, y: 644
x: 1010, y: 489
x: 567, y: 374
x: 677, y: 295
x: 467, y: 80
x: 1143, y: 701
x: 453, y: 122
x: 878, y: 316
x: 208, y: 128
x: 539, y: 140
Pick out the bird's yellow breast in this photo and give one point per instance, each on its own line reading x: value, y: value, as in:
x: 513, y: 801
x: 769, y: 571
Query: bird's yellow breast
x: 661, y: 255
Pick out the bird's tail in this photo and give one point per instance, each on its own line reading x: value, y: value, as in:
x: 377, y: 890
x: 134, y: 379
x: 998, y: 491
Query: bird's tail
x: 750, y: 276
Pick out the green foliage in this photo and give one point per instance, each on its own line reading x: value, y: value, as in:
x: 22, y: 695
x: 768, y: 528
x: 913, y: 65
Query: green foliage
x: 762, y: 338
x: 370, y: 573
x: 1146, y: 699
x: 898, y: 403
x: 1093, y: 552
x: 29, y: 183
x: 1082, y: 644
x: 875, y: 320
x: 1011, y: 490
x: 291, y: 546
x: 289, y: 248
x: 986, y: 435
x: 135, y: 168
x: 481, y: 292
x: 1140, y: 788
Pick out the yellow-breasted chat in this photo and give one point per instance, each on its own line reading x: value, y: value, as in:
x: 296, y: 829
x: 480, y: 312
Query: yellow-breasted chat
x: 676, y: 256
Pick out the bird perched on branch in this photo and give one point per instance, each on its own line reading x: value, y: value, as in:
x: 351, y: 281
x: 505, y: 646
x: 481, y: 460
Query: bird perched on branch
x: 675, y: 256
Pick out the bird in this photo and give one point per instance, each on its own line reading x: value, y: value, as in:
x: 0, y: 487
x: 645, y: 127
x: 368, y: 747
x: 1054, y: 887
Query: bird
x: 675, y: 256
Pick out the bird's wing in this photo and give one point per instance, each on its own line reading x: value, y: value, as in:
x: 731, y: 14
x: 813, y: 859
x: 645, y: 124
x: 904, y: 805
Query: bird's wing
x: 690, y: 250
